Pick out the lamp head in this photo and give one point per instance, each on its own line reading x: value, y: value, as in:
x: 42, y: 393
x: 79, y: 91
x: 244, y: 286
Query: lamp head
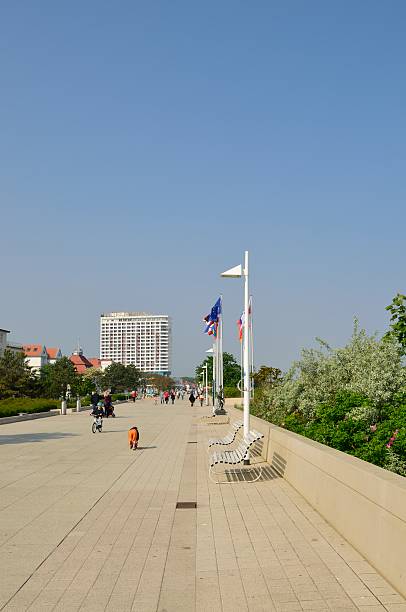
x: 235, y: 272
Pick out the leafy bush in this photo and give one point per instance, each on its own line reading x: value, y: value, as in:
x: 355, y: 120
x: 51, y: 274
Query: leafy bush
x: 12, y: 407
x: 231, y: 392
x: 348, y: 398
x: 341, y: 425
x: 118, y: 396
x: 365, y: 366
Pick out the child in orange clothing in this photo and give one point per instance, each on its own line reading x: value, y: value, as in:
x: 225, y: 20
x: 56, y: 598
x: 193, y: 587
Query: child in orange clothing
x: 133, y: 438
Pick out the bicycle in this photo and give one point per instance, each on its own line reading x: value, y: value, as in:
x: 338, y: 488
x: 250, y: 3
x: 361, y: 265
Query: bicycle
x: 97, y: 424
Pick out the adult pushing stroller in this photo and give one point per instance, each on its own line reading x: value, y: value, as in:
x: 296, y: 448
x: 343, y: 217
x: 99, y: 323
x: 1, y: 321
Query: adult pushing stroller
x: 108, y: 407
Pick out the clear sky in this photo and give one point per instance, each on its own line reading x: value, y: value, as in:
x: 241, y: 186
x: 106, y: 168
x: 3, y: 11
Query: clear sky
x: 145, y: 145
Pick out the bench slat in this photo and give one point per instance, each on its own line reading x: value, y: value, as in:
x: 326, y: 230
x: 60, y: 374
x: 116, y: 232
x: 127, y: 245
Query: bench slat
x: 238, y: 454
x: 229, y: 438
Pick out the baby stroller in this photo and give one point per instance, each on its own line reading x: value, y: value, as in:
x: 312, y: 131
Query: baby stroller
x: 109, y: 410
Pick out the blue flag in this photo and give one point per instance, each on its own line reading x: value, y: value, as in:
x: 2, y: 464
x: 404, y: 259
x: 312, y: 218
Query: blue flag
x: 212, y: 319
x: 216, y: 311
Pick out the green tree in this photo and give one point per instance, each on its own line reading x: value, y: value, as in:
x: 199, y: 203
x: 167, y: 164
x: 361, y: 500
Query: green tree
x: 56, y: 377
x: 115, y: 377
x: 398, y: 320
x: 267, y: 376
x: 133, y: 377
x: 15, y: 375
x: 231, y: 370
x: 93, y: 378
x: 160, y: 382
x: 119, y: 377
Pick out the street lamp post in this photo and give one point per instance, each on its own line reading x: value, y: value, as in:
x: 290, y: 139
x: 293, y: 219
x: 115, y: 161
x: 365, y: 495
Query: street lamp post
x: 238, y: 272
x: 206, y: 395
x: 213, y: 382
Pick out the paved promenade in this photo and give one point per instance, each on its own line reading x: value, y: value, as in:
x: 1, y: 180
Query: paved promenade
x: 88, y: 525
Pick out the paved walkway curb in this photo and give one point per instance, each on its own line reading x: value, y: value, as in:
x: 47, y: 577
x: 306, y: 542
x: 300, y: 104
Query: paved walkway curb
x: 29, y: 417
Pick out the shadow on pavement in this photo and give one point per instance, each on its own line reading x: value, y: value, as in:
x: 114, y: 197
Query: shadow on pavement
x: 31, y: 437
x: 248, y: 474
x: 145, y: 447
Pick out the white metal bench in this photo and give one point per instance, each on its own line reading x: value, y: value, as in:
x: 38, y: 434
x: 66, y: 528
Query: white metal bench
x: 229, y: 438
x: 235, y: 456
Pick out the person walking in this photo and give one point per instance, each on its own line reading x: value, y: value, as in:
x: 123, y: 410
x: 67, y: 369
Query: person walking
x: 108, y: 405
x: 192, y: 399
x: 166, y: 397
x: 173, y: 396
x: 133, y: 395
x: 201, y: 399
x: 94, y: 399
x: 161, y: 395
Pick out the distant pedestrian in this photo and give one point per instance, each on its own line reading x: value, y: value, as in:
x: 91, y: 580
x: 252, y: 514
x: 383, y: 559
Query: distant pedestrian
x: 192, y: 399
x: 201, y: 399
x: 133, y: 395
x: 166, y: 397
x: 161, y: 395
x: 173, y: 396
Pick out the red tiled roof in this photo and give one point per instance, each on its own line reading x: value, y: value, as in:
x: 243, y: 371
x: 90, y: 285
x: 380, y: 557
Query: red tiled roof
x: 80, y: 362
x: 52, y: 352
x: 33, y: 350
x: 95, y: 361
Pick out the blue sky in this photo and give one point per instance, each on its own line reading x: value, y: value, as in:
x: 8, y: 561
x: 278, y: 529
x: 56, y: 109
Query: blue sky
x: 145, y: 146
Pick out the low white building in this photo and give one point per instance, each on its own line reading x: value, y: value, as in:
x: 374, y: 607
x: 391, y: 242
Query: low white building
x: 54, y: 353
x: 36, y: 356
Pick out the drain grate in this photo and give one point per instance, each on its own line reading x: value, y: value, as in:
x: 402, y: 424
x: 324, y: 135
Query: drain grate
x: 186, y: 505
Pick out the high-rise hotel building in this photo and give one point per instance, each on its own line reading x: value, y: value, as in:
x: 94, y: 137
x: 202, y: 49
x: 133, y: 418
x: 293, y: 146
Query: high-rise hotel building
x: 137, y: 338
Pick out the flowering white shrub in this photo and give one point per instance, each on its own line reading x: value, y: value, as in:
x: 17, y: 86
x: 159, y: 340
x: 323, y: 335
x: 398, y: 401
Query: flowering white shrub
x: 394, y: 463
x: 366, y: 365
x: 368, y: 414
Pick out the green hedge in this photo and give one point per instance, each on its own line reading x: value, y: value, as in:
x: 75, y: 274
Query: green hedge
x: 231, y: 392
x: 13, y: 406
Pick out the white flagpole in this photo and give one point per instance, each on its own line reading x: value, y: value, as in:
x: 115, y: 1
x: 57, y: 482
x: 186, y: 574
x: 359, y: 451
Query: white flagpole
x: 238, y: 272
x: 221, y: 389
x: 214, y: 376
x: 241, y: 363
x: 246, y: 355
x: 252, y: 369
x: 206, y: 393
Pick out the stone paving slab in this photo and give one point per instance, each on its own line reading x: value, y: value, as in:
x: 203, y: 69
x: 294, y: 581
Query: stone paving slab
x: 86, y: 524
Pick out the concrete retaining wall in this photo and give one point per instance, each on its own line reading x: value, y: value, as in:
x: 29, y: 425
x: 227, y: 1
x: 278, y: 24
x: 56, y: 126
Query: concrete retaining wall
x: 365, y: 503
